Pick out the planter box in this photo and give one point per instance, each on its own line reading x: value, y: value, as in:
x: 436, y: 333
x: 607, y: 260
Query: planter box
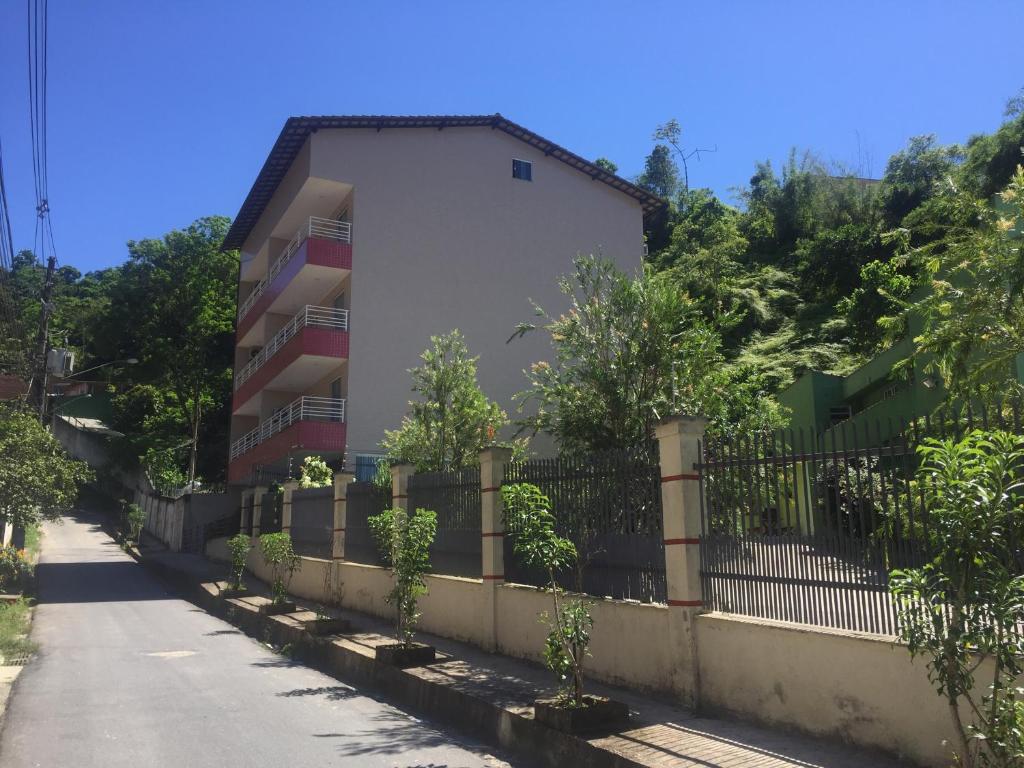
x: 9, y: 599
x: 598, y: 714
x: 327, y: 626
x: 398, y: 655
x: 276, y: 609
x: 226, y: 591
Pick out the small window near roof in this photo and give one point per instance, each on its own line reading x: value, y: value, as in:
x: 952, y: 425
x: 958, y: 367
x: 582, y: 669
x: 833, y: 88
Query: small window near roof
x: 522, y: 169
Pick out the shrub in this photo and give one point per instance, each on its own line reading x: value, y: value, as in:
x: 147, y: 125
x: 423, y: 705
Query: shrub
x: 315, y: 473
x: 283, y: 562
x: 238, y: 547
x: 404, y: 542
x: 967, y: 604
x: 133, y: 518
x: 534, y: 541
x: 15, y: 569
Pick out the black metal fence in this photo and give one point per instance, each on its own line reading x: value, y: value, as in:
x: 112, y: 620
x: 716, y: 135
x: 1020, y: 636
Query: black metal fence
x: 271, y: 512
x: 609, y: 505
x: 363, y: 500
x: 312, y: 523
x: 806, y: 527
x: 194, y: 538
x: 455, y: 497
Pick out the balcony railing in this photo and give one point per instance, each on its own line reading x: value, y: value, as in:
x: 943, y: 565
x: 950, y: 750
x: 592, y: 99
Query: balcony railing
x: 327, y: 229
x: 318, y: 317
x: 301, y: 409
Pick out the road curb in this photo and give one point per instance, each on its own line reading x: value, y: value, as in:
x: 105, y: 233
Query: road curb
x: 352, y: 663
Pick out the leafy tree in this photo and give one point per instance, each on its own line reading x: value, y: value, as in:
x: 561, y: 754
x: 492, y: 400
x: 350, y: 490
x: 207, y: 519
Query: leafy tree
x: 315, y: 473
x: 661, y: 175
x: 404, y: 542
x: 38, y: 481
x: 605, y: 164
x: 672, y: 132
x: 238, y: 548
x: 452, y: 421
x: 534, y: 541
x: 974, y: 313
x: 279, y: 555
x: 174, y: 300
x: 629, y: 352
x: 966, y: 605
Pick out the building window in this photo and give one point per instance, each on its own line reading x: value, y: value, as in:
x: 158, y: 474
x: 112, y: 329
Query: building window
x: 522, y: 169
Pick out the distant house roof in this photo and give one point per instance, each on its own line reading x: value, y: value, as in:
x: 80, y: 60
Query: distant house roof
x: 297, y: 129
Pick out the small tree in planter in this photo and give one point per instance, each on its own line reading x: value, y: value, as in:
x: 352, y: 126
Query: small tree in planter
x: 535, y: 542
x: 134, y: 518
x: 404, y: 541
x: 238, y: 548
x: 283, y: 562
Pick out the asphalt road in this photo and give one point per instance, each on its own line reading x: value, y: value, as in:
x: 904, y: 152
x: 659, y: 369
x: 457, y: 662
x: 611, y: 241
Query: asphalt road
x: 127, y: 674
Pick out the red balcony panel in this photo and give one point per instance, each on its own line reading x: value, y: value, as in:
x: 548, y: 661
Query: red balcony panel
x: 323, y: 342
x: 301, y: 437
x: 317, y: 251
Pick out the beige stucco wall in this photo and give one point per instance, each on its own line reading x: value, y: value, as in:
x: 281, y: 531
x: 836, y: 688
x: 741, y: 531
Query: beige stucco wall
x: 443, y: 238
x: 862, y: 689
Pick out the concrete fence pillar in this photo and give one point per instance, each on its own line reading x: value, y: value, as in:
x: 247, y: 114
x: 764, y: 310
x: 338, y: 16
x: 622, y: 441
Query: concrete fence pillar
x: 286, y: 507
x: 341, y: 481
x: 492, y: 532
x: 679, y: 447
x: 257, y: 509
x: 400, y: 474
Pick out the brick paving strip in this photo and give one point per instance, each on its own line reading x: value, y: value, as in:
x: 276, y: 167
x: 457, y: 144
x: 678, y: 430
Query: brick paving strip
x: 490, y: 695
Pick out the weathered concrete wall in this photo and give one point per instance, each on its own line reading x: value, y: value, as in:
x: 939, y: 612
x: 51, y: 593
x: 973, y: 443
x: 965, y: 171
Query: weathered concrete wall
x: 862, y: 689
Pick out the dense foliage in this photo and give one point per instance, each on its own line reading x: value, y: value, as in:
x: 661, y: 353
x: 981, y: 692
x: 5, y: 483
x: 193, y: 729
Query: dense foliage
x: 315, y: 473
x: 280, y: 557
x: 816, y: 266
x: 966, y: 605
x: 38, y: 481
x: 238, y: 548
x: 171, y: 307
x: 631, y: 351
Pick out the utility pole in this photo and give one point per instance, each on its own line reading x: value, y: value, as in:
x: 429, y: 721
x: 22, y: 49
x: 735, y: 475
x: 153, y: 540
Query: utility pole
x: 43, y: 338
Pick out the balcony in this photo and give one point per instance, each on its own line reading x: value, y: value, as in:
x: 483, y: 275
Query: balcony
x: 322, y: 245
x: 309, y: 425
x: 302, y: 353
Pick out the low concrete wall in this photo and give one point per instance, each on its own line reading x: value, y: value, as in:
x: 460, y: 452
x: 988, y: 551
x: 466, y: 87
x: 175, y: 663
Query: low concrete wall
x: 627, y: 645
x: 862, y: 689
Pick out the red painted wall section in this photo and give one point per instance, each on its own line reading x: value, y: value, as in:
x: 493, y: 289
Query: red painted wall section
x: 325, y: 436
x: 315, y: 250
x: 325, y: 342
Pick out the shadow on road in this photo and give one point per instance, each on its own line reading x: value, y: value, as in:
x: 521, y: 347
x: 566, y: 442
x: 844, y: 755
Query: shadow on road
x: 102, y: 582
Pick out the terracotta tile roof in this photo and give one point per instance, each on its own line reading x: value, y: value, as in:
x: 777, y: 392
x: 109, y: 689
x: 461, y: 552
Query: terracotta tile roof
x: 12, y: 387
x: 297, y: 129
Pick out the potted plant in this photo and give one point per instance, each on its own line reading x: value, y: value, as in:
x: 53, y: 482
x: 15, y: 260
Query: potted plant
x: 404, y: 541
x: 238, y: 548
x: 133, y: 518
x: 534, y: 541
x: 325, y: 624
x: 283, y: 562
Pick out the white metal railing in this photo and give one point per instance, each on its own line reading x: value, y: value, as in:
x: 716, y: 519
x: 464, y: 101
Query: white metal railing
x: 301, y: 409
x: 319, y: 317
x: 315, y: 227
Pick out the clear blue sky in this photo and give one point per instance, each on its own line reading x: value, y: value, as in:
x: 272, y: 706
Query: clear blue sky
x: 161, y: 112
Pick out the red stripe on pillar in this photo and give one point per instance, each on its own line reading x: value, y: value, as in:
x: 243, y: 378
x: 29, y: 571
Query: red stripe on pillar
x: 399, y: 496
x: 495, y: 577
x: 339, y: 530
x: 493, y: 533
x: 682, y: 541
x: 672, y: 478
x: 490, y: 490
x: 686, y: 603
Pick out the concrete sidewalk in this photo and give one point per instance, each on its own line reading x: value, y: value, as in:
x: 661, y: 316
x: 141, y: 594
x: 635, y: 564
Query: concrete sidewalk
x: 659, y: 734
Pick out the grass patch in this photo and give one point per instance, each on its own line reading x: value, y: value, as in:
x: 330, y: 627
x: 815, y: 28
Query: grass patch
x: 14, y: 618
x: 33, y: 541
